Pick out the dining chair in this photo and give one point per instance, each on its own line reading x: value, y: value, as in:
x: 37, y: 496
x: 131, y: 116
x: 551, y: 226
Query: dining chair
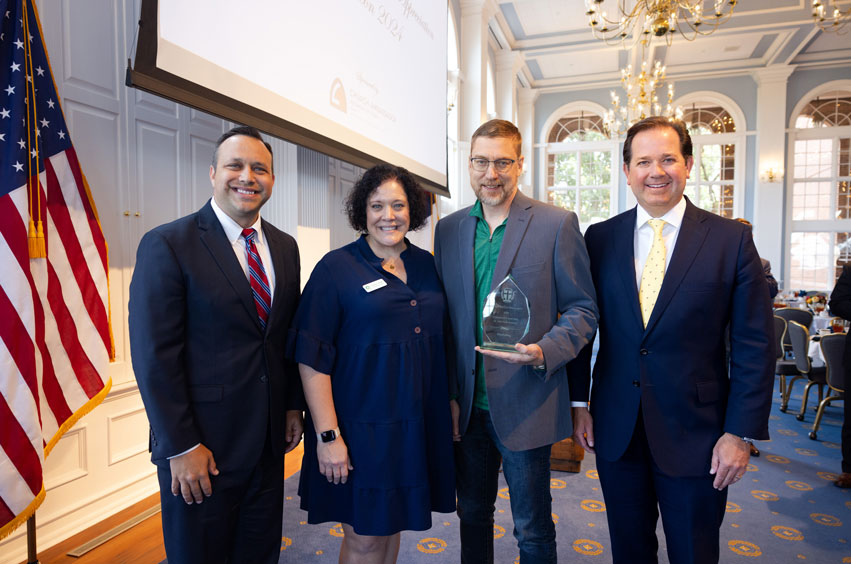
x: 832, y: 349
x: 816, y: 375
x: 783, y: 367
x: 802, y: 316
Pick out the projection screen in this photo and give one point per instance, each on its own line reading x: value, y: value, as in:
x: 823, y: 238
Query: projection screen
x: 360, y: 80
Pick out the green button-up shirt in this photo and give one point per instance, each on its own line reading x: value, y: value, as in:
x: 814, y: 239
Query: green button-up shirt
x: 485, y: 253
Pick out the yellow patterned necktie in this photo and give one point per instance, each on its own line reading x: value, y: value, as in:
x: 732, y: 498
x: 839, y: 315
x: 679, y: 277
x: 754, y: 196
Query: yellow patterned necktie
x: 654, y: 271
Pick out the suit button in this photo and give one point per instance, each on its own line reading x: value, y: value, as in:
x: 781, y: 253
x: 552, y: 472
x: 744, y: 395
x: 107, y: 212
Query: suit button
x: 643, y: 352
x: 263, y: 378
x: 417, y: 330
x: 636, y: 383
x: 413, y: 303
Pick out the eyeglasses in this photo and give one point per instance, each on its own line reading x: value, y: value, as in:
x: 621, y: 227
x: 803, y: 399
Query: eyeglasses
x: 500, y: 165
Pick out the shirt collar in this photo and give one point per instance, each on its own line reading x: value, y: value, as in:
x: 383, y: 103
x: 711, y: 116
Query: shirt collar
x: 233, y: 230
x: 476, y: 210
x: 673, y: 217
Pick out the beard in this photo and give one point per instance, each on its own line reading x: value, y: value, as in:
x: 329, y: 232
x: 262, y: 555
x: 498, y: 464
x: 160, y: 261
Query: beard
x: 492, y: 197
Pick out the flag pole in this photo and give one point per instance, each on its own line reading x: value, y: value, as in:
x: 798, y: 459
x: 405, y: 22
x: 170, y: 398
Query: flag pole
x: 32, y: 551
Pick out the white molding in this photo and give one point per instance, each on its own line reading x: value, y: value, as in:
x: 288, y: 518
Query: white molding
x: 79, y: 436
x: 92, y: 510
x: 722, y: 100
x: 841, y: 84
x: 111, y: 433
x: 558, y: 113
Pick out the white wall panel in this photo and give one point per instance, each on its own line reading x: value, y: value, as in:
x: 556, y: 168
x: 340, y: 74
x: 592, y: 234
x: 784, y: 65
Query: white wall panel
x: 197, y: 117
x: 90, y: 46
x: 200, y: 155
x: 145, y: 101
x: 68, y: 459
x: 157, y: 166
x: 126, y: 435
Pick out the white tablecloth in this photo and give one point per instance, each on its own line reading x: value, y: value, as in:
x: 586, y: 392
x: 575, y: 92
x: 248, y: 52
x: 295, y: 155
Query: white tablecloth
x: 814, y: 353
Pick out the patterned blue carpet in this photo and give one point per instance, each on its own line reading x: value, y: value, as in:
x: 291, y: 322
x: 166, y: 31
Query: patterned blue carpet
x: 785, y: 510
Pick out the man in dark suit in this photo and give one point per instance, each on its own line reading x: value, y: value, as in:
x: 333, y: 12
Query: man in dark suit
x: 208, y: 352
x: 512, y: 406
x: 670, y: 427
x: 840, y: 305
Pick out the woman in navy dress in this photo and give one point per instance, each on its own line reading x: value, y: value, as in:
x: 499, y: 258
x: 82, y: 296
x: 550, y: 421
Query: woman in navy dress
x: 368, y: 337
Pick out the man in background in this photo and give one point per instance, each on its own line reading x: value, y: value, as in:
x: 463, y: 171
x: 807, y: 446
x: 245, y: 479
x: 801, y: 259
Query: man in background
x: 773, y: 287
x: 671, y: 424
x: 512, y: 406
x: 840, y: 305
x: 211, y: 300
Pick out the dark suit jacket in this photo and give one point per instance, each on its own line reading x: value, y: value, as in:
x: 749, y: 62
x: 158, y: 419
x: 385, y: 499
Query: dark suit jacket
x: 840, y: 305
x: 206, y: 370
x: 675, y: 369
x: 542, y: 249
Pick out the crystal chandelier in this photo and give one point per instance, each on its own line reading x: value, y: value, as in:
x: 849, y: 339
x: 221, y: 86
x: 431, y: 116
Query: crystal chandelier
x: 837, y: 21
x: 660, y: 18
x: 641, y: 99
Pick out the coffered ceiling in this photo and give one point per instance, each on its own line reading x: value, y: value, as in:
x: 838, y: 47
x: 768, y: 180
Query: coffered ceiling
x: 559, y: 52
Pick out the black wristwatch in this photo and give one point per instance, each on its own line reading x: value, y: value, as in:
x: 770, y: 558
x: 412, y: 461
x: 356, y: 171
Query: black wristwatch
x: 328, y: 436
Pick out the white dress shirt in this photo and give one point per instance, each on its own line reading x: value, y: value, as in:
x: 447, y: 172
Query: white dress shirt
x: 233, y: 231
x: 643, y: 238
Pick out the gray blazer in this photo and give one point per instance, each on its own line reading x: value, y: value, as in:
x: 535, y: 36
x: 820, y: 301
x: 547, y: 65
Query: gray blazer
x: 544, y: 251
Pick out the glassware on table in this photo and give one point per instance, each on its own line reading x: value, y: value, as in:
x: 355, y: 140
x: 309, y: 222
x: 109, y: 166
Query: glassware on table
x: 838, y: 325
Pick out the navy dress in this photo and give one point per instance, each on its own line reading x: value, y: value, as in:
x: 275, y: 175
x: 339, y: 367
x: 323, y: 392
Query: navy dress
x: 385, y: 353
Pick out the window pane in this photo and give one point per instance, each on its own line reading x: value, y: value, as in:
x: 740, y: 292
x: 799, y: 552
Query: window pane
x: 844, y: 157
x: 728, y: 162
x: 565, y: 170
x: 710, y: 163
x: 809, y: 267
x: 562, y: 198
x: 596, y: 168
x: 593, y: 205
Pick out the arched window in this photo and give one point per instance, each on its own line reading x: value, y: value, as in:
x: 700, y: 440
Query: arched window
x: 581, y: 168
x: 714, y: 181
x: 820, y: 210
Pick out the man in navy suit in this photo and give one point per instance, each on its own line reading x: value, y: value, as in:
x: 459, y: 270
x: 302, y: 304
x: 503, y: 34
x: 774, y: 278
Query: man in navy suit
x: 670, y: 427
x: 208, y: 352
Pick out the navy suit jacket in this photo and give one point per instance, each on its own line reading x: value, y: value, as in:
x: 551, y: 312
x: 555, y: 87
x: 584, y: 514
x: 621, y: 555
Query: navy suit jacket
x: 206, y: 370
x: 676, y: 369
x: 542, y: 249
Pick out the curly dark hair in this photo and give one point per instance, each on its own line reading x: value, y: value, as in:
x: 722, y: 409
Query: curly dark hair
x: 419, y: 201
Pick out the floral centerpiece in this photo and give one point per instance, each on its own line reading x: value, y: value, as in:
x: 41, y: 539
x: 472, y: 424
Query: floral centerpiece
x: 817, y: 302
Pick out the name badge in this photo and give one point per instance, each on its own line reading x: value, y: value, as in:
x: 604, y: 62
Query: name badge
x: 374, y: 285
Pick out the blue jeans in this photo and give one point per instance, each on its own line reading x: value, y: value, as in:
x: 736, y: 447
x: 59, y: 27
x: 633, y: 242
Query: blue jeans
x: 527, y: 472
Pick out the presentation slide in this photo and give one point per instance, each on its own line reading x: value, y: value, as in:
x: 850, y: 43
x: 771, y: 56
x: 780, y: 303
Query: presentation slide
x: 370, y: 74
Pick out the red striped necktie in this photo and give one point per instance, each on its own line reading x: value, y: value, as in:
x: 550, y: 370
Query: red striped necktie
x: 257, y: 278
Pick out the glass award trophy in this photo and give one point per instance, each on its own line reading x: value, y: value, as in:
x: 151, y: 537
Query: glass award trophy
x: 505, y: 317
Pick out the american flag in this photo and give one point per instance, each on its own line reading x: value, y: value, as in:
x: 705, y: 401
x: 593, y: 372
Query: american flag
x: 55, y: 340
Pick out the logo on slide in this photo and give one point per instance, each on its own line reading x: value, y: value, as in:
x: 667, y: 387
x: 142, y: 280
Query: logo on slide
x: 338, y: 95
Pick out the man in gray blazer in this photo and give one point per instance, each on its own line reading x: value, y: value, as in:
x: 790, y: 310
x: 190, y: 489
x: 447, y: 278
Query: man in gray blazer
x: 512, y: 406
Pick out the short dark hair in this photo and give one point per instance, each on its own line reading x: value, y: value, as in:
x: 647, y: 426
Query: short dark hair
x: 654, y: 122
x: 499, y: 128
x: 247, y: 131
x: 419, y: 201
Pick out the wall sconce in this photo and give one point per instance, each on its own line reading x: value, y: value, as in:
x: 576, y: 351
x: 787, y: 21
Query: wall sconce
x: 772, y: 175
